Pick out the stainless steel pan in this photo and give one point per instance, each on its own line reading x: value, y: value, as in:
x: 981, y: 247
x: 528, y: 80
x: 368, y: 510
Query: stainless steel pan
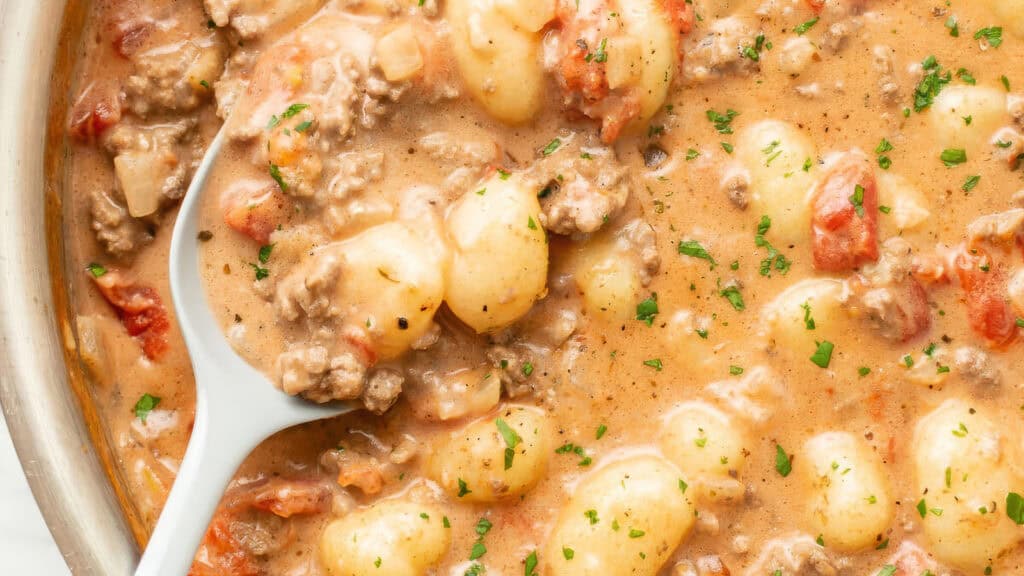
x: 41, y: 387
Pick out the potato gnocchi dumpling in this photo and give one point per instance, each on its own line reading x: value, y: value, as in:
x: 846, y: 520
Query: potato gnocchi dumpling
x: 704, y: 441
x: 609, y: 279
x: 805, y: 313
x: 494, y: 458
x: 393, y: 281
x: 965, y: 467
x: 781, y: 161
x: 984, y: 105
x: 499, y: 254
x: 393, y: 537
x: 623, y: 520
x: 650, y: 45
x: 498, y: 56
x: 908, y: 206
x: 851, y: 504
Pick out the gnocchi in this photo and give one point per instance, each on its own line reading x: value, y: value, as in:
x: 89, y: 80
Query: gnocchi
x: 623, y: 520
x: 394, y: 537
x: 908, y: 207
x: 609, y: 279
x: 499, y: 260
x: 986, y: 108
x: 393, y: 283
x: 494, y: 458
x: 708, y: 445
x: 851, y: 504
x: 780, y: 160
x: 651, y: 41
x: 499, y: 60
x: 805, y: 313
x: 965, y: 467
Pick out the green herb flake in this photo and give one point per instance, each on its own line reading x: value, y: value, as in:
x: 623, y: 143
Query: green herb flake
x: 992, y: 34
x: 512, y: 439
x: 953, y: 157
x: 601, y: 431
x: 783, y: 463
x: 463, y: 489
x: 97, y: 270
x: 971, y: 183
x: 722, y: 122
x: 146, y: 404
x: 647, y: 310
x: 1015, y: 508
x: 530, y: 564
x: 552, y: 147
x: 275, y: 173
x: 802, y: 29
x: 822, y: 357
x: 654, y: 363
x: 693, y: 249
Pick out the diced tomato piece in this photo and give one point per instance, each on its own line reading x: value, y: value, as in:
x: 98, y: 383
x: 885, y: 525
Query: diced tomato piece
x: 844, y: 226
x: 256, y: 214
x: 284, y: 498
x: 985, y: 291
x: 682, y: 13
x: 93, y: 114
x: 141, y: 311
x: 816, y: 5
x: 221, y: 554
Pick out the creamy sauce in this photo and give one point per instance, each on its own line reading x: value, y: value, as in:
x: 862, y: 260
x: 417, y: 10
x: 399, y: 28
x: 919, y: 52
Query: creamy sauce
x: 722, y: 361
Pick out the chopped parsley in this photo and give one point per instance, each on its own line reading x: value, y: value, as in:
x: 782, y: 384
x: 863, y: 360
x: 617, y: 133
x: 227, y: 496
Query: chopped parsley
x: 570, y: 448
x: 953, y: 25
x: 552, y: 146
x: 512, y: 439
x: 971, y: 183
x: 601, y: 430
x: 802, y: 29
x: 1015, y: 508
x: 693, y: 249
x: 648, y: 309
x: 783, y: 463
x: 275, y: 173
x: 863, y: 371
x: 857, y: 199
x: 809, y: 322
x: 463, y: 489
x: 722, y: 122
x: 735, y: 298
x: 775, y: 259
x: 822, y: 357
x: 931, y: 84
x: 992, y: 34
x: 97, y: 270
x: 654, y: 363
x: 261, y: 272
x: 530, y: 568
x: 146, y: 404
x: 953, y: 157
x: 265, y: 251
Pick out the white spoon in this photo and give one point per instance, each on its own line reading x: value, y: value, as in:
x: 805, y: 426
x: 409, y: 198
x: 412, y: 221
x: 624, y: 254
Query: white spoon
x: 237, y: 407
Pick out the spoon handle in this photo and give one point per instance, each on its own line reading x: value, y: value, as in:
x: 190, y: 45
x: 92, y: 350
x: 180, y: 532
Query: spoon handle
x: 210, y: 461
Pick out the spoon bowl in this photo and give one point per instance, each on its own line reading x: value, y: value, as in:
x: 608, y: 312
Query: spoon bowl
x: 237, y: 406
